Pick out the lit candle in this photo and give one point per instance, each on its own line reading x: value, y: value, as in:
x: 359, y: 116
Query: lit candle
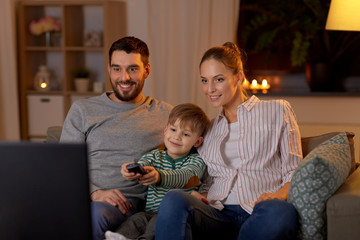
x: 43, y: 85
x: 246, y: 84
x: 254, y: 86
x: 265, y: 86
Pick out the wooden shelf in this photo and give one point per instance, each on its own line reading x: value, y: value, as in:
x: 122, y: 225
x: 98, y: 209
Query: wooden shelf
x: 68, y: 51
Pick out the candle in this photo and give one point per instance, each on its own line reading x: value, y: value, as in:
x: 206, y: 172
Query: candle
x: 43, y: 85
x: 254, y: 86
x: 246, y: 84
x: 265, y: 86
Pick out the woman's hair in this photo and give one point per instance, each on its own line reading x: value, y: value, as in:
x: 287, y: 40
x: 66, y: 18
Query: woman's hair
x: 131, y: 45
x: 230, y: 55
x: 190, y: 115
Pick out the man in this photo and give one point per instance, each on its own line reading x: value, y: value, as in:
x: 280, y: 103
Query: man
x: 118, y: 127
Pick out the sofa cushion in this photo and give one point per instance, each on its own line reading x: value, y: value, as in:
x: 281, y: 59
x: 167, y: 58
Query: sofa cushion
x: 309, y: 143
x: 316, y: 178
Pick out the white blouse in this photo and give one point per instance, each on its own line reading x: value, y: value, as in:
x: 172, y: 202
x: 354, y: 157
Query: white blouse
x: 268, y: 149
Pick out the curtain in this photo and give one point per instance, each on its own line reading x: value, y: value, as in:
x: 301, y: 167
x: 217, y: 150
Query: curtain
x: 9, y: 107
x: 180, y: 31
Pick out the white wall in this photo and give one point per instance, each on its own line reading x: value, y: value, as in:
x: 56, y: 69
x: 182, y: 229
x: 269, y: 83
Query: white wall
x: 319, y: 115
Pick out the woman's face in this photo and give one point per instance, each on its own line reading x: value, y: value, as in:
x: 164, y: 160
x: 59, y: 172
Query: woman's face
x: 219, y: 84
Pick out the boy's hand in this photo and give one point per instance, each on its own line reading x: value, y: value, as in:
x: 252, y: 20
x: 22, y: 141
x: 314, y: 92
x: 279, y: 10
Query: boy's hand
x: 127, y: 174
x: 151, y: 177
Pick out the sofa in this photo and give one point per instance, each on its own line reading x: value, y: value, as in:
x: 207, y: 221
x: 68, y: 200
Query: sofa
x: 335, y: 213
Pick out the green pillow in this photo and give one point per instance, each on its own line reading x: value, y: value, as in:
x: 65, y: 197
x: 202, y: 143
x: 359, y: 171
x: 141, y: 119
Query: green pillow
x: 315, y: 180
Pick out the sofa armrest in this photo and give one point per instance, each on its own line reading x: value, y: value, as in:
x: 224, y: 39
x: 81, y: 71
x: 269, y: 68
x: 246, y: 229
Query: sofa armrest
x: 343, y: 210
x: 53, y: 134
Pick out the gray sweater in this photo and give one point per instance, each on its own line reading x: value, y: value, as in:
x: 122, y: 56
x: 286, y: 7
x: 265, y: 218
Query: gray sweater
x: 115, y: 133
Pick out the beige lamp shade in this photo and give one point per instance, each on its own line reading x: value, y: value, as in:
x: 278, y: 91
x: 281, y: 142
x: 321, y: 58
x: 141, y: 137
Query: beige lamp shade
x: 344, y: 15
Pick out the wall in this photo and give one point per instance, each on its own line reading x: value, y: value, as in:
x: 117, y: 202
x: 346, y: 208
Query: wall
x: 9, y: 106
x: 9, y: 113
x: 321, y: 114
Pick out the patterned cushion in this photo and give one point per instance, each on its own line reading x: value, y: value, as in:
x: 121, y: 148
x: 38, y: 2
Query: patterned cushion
x: 316, y: 178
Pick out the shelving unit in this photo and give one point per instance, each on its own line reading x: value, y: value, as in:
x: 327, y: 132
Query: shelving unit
x: 77, y: 19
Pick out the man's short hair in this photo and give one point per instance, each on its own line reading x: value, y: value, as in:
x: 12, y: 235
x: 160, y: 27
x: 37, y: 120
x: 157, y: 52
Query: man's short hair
x: 131, y: 45
x: 190, y: 115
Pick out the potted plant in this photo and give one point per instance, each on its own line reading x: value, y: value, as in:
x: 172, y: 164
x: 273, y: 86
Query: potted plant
x: 299, y: 26
x: 81, y: 76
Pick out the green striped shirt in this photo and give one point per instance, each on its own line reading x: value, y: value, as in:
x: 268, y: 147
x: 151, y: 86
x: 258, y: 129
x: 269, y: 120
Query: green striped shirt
x: 175, y: 174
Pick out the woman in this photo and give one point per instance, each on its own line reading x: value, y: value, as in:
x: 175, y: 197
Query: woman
x: 251, y: 151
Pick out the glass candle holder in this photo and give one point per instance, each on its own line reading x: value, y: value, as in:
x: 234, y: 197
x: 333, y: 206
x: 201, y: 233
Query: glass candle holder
x: 42, y: 79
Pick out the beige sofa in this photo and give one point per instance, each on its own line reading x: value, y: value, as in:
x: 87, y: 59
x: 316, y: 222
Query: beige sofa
x: 342, y: 208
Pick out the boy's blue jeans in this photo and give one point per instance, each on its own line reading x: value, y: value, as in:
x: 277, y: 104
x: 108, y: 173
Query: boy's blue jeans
x: 182, y: 216
x: 106, y: 217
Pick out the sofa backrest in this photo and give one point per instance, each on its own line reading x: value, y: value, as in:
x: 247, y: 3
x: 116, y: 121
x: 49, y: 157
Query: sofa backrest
x: 309, y: 143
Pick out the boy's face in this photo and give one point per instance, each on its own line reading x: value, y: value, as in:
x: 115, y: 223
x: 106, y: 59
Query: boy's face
x: 179, y: 141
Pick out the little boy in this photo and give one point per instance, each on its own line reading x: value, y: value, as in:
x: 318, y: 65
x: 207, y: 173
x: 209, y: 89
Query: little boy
x: 179, y: 166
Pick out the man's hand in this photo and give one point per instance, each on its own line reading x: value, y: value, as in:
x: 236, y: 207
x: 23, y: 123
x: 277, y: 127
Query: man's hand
x: 113, y: 197
x: 151, y: 177
x: 127, y: 174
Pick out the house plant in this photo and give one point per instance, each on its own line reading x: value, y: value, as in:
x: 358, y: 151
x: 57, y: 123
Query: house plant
x: 81, y: 76
x: 299, y: 27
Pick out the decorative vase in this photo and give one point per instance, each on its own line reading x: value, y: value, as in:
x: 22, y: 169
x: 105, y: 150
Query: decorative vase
x: 47, y: 39
x: 318, y: 76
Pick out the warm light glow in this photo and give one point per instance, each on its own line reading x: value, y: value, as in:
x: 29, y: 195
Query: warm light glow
x: 254, y: 83
x: 246, y: 84
x: 264, y: 83
x: 344, y: 15
x: 43, y: 85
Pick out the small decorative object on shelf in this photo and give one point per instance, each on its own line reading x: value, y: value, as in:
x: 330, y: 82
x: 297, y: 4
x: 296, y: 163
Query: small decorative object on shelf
x: 98, y: 87
x: 93, y: 39
x: 81, y: 75
x: 46, y: 26
x: 42, y: 79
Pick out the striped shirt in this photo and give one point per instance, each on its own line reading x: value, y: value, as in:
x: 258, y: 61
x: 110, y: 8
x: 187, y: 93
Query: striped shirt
x: 174, y: 173
x: 269, y: 150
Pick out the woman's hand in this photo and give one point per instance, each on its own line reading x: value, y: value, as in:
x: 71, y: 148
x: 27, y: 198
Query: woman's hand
x: 113, y: 197
x: 151, y: 177
x: 127, y: 174
x: 201, y: 196
x: 280, y: 194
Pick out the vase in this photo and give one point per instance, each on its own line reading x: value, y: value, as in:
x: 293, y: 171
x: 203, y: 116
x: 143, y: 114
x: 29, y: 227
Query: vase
x: 318, y: 76
x: 47, y: 39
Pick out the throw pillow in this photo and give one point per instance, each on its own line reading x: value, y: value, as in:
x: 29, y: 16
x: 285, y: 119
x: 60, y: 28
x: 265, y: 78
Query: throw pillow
x: 316, y: 178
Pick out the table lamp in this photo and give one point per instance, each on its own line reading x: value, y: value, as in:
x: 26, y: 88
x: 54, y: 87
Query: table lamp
x: 344, y: 15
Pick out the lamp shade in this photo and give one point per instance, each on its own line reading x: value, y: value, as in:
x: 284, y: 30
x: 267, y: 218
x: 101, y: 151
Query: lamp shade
x: 344, y: 15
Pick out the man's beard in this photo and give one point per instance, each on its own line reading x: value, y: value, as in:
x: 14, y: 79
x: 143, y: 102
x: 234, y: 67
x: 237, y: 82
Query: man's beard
x: 127, y: 96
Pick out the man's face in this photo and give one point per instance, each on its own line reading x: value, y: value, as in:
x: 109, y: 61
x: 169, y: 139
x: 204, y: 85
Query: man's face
x: 127, y: 76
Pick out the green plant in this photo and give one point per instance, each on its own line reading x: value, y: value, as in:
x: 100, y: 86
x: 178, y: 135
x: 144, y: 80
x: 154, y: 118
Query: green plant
x: 81, y: 72
x: 297, y: 25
